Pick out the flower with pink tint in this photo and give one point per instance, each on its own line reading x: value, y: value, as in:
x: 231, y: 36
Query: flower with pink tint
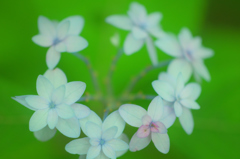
x: 150, y: 123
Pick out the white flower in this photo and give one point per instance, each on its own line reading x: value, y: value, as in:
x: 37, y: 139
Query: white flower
x: 60, y: 37
x: 178, y: 99
x: 151, y: 127
x: 105, y: 140
x: 55, y: 106
x: 189, y: 53
x: 141, y: 26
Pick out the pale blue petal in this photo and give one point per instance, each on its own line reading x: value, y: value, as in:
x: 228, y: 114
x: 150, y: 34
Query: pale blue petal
x: 56, y: 76
x: 109, y: 151
x: 45, y: 134
x: 93, y: 152
x: 78, y: 146
x: 44, y: 87
x: 52, y: 58
x: 58, y: 95
x: 161, y: 142
x: 65, y: 111
x: 81, y: 111
x: 110, y: 133
x: 137, y: 144
x: 93, y: 130
x: 38, y: 120
x: 120, y: 21
x: 22, y: 100
x: 164, y: 89
x: 74, y: 91
x: 155, y: 109
x: 52, y: 119
x: 69, y: 127
x: 132, y: 45
x: 186, y: 120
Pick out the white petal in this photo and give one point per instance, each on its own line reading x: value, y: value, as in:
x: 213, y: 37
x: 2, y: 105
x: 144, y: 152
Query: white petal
x: 180, y: 84
x: 58, y: 95
x: 203, y: 53
x: 43, y: 40
x: 78, y: 146
x: 75, y: 43
x: 62, y: 29
x: 152, y: 51
x: 185, y: 37
x: 154, y: 19
x: 93, y: 152
x: 169, y: 45
x: 83, y: 157
x: 108, y: 151
x: 45, y: 134
x: 52, y: 58
x: 76, y: 24
x: 65, y: 111
x: 37, y: 102
x: 190, y: 104
x: 178, y: 109
x: 180, y: 65
x: 94, y: 141
x: 61, y: 47
x: 132, y: 45
x: 167, y: 78
x: 114, y: 119
x: 191, y: 91
x: 137, y: 13
x: 124, y: 138
x: 52, y: 119
x: 38, y: 120
x: 44, y: 87
x: 155, y: 109
x: 156, y: 31
x: 93, y: 117
x: 109, y: 133
x: 46, y: 27
x: 161, y: 142
x: 132, y: 114
x: 120, y: 21
x: 137, y: 144
x: 139, y: 33
x: 74, y: 91
x: 169, y: 116
x: 69, y: 127
x: 118, y: 145
x: 80, y: 111
x: 164, y: 89
x: 22, y: 100
x: 101, y: 156
x: 186, y: 120
x: 56, y: 76
x: 93, y: 130
x: 202, y: 70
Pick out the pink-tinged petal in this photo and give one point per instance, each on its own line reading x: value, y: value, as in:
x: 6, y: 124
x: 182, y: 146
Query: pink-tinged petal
x: 46, y: 27
x: 120, y: 21
x: 74, y: 91
x: 164, y: 90
x: 143, y: 131
x: 190, y: 104
x: 53, y: 57
x: 137, y: 143
x: 155, y: 109
x: 178, y: 109
x: 132, y: 114
x: 161, y: 142
x: 45, y: 134
x: 56, y: 76
x: 146, y: 120
x: 191, y: 91
x: 69, y: 127
x: 62, y: 29
x: 43, y: 40
x: 52, y: 119
x: 44, y: 87
x: 152, y: 50
x: 93, y: 152
x: 186, y: 120
x: 38, y: 120
x: 132, y: 45
x: 158, y: 127
x: 75, y: 43
x: 37, y: 102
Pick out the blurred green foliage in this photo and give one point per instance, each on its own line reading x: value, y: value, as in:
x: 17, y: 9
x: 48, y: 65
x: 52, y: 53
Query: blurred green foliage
x: 216, y: 133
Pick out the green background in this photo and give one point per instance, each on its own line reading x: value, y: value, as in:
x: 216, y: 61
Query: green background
x: 217, y: 123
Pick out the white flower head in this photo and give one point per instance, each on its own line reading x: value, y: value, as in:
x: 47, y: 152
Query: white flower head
x: 189, y: 54
x: 141, y: 26
x: 60, y: 37
x: 178, y: 98
x: 105, y: 139
x: 55, y: 106
x: 150, y: 124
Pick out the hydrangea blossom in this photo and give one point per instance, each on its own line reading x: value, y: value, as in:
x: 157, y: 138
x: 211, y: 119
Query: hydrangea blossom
x: 55, y: 106
x: 178, y: 98
x: 104, y: 139
x: 150, y: 123
x: 189, y: 53
x: 60, y: 37
x: 142, y: 26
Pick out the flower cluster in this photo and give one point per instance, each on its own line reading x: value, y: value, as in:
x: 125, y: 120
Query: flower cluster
x: 57, y: 107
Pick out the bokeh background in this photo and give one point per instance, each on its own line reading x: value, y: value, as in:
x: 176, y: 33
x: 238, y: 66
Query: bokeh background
x: 217, y: 123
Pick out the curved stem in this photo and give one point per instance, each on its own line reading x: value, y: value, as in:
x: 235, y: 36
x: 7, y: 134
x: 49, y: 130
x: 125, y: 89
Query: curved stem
x: 143, y: 73
x: 91, y: 71
x: 139, y: 96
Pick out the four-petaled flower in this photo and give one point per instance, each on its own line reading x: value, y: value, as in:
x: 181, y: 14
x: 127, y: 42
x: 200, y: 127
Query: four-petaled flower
x: 60, y: 37
x: 189, y: 53
x: 55, y: 106
x: 141, y: 26
x: 151, y: 125
x: 105, y: 139
x: 178, y: 99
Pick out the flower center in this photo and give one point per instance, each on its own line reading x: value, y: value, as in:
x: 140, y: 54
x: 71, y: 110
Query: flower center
x: 153, y: 125
x: 102, y: 142
x: 142, y: 26
x: 52, y: 105
x: 188, y: 55
x: 56, y: 41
